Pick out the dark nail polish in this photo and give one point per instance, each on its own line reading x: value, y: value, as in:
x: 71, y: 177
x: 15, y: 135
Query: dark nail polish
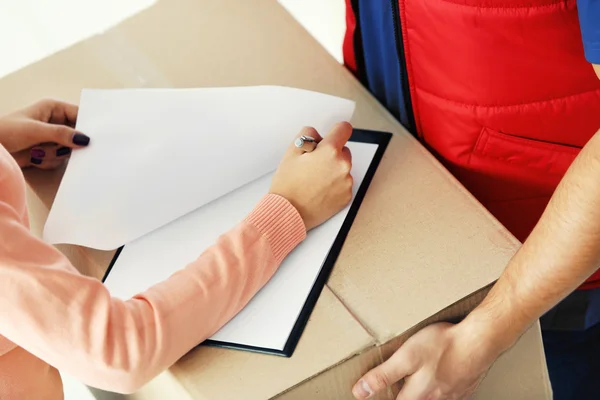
x: 38, y: 153
x: 80, y: 139
x: 36, y: 161
x: 63, y: 151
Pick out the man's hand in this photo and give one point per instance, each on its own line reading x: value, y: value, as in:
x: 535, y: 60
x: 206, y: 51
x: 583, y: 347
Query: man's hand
x: 440, y: 362
x: 42, y: 135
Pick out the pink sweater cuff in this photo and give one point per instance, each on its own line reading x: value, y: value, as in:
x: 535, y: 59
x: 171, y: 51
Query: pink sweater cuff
x: 279, y: 221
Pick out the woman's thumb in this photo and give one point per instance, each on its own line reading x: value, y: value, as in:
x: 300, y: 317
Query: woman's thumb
x: 59, y: 134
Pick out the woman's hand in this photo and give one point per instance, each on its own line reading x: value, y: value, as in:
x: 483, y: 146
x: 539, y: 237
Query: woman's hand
x: 42, y: 135
x: 318, y: 183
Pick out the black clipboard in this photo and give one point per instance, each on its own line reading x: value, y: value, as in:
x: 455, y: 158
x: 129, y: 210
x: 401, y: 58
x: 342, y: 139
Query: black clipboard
x: 358, y: 135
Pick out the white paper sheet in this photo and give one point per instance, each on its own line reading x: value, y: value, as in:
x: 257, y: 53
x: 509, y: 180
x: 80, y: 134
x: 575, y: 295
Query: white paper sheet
x: 268, y: 319
x: 157, y: 154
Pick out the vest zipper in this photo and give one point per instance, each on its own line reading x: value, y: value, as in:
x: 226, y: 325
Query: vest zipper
x: 402, y: 64
x: 359, y: 55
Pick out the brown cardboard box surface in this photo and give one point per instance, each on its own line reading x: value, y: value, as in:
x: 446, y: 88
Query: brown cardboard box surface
x: 420, y: 245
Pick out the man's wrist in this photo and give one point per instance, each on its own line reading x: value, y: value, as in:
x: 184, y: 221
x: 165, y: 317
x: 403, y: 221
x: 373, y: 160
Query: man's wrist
x: 478, y: 345
x: 493, y: 334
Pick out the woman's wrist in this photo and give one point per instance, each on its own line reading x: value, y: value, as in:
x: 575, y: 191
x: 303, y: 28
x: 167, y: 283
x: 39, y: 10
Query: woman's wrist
x: 279, y: 221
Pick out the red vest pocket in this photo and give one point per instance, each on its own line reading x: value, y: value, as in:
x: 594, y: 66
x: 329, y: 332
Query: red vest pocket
x: 532, y: 155
x: 514, y: 176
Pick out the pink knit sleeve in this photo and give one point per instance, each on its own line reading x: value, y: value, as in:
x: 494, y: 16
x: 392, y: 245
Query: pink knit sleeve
x: 71, y: 321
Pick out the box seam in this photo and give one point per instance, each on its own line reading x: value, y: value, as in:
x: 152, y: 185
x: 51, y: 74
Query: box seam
x: 349, y: 357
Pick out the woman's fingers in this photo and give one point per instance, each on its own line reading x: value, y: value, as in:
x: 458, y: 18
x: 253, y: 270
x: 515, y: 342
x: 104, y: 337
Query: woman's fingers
x: 306, y: 131
x: 41, y: 132
x: 46, y: 156
x: 47, y: 121
x: 53, y: 112
x: 317, y: 183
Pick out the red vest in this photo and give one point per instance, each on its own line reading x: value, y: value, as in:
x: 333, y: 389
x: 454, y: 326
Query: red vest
x: 502, y: 94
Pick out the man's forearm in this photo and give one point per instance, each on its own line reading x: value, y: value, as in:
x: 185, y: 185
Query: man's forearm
x: 561, y: 253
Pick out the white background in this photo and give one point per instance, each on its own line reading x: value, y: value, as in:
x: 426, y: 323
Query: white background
x: 31, y: 30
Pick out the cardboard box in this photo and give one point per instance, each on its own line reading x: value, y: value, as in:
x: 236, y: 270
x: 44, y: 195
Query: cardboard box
x: 422, y: 249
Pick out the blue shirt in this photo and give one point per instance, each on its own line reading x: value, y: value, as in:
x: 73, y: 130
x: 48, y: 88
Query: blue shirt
x: 383, y: 72
x: 589, y: 19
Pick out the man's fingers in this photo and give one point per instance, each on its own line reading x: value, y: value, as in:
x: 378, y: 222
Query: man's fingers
x: 59, y: 134
x: 338, y: 136
x: 379, y: 378
x: 416, y: 388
